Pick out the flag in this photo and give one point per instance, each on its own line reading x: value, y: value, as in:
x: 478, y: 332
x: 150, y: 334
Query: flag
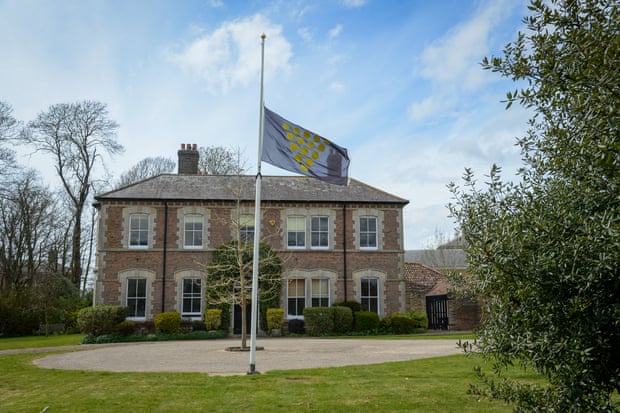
x: 291, y: 147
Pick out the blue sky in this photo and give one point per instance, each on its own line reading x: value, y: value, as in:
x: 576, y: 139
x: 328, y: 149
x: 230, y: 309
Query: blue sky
x: 398, y: 83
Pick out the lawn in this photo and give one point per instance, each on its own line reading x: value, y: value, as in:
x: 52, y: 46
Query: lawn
x: 40, y: 341
x: 430, y: 385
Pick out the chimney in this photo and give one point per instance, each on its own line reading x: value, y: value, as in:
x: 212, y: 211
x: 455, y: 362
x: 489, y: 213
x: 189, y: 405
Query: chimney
x: 188, y: 159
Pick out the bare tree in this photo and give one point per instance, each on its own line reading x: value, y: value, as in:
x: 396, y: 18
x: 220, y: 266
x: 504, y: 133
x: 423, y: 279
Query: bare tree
x: 146, y: 168
x: 8, y: 130
x: 230, y: 277
x: 75, y: 135
x: 218, y: 160
x: 28, y: 217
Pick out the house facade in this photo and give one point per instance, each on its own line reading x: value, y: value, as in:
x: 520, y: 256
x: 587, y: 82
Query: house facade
x: 156, y: 238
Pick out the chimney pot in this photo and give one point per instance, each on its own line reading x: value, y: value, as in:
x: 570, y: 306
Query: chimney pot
x: 194, y: 147
x: 182, y: 146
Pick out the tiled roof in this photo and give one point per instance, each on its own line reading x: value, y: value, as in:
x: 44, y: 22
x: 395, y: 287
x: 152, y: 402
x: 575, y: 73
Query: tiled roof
x: 172, y: 187
x: 453, y: 259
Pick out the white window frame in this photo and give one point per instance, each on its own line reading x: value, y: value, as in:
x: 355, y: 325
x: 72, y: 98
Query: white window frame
x: 297, y: 232
x: 296, y: 297
x: 320, y: 294
x: 136, y: 297
x: 142, y: 217
x: 190, y: 234
x: 246, y: 228
x: 366, y: 232
x: 192, y: 295
x: 368, y: 297
x: 319, y: 231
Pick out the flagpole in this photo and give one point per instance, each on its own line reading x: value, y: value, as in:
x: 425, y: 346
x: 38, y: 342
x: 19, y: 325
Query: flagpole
x: 256, y: 258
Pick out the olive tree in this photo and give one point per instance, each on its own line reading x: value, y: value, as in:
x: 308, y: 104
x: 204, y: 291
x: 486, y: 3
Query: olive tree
x: 544, y: 250
x: 75, y: 135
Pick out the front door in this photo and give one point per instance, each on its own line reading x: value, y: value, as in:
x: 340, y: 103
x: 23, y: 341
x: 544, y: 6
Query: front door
x: 237, y: 318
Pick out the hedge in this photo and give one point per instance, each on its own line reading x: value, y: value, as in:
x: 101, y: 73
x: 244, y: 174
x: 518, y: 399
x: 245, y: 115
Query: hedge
x: 213, y: 319
x: 318, y: 320
x: 101, y: 319
x: 366, y: 321
x: 168, y: 322
x: 343, y: 319
x: 419, y: 318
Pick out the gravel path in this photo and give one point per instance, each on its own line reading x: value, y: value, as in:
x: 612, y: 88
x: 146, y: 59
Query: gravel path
x: 211, y: 356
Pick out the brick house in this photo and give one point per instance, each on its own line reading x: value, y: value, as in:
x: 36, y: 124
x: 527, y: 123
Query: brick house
x: 156, y: 236
x: 429, y: 290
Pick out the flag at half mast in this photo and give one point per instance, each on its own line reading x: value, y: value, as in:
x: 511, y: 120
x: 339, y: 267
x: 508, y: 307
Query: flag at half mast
x: 291, y: 147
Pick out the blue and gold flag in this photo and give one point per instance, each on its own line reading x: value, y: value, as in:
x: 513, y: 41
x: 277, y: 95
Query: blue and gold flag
x: 291, y: 147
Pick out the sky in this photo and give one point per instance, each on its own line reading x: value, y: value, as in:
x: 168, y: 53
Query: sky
x: 398, y: 83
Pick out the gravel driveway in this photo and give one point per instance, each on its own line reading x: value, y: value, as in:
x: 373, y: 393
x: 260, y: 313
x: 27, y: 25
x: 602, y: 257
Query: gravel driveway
x: 211, y: 356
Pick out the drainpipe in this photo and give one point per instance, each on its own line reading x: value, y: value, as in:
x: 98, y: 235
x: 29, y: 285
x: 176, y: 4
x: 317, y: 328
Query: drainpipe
x: 344, y: 248
x: 163, y: 271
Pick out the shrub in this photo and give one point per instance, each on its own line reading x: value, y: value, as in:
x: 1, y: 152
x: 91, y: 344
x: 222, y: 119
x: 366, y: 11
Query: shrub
x: 213, y: 319
x: 18, y: 316
x: 186, y: 326
x: 275, y: 318
x: 198, y: 325
x: 366, y: 321
x: 296, y: 326
x: 398, y: 323
x: 101, y: 319
x: 318, y: 320
x: 353, y: 305
x: 127, y: 327
x: 146, y: 327
x: 419, y: 319
x: 168, y: 322
x: 343, y: 319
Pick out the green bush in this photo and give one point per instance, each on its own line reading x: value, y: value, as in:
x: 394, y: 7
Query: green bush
x: 127, y: 327
x: 343, y: 319
x: 419, y: 318
x: 366, y: 321
x: 275, y: 318
x: 101, y: 319
x: 318, y: 320
x: 352, y: 304
x: 198, y: 325
x: 213, y: 319
x: 18, y: 316
x: 398, y: 323
x: 168, y: 322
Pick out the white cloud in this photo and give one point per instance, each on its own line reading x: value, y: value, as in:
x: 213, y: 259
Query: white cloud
x: 305, y: 34
x: 230, y: 55
x: 336, y: 87
x: 454, y: 58
x: 429, y: 107
x: 353, y: 3
x: 335, y: 32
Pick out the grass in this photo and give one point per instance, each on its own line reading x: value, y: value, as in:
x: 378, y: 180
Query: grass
x: 431, y: 385
x: 428, y: 385
x: 40, y: 341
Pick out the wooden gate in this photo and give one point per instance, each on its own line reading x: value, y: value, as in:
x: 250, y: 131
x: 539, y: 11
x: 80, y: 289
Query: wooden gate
x: 437, y: 312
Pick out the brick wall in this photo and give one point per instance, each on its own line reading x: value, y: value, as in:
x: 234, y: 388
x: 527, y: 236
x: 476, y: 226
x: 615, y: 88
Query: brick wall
x: 113, y: 257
